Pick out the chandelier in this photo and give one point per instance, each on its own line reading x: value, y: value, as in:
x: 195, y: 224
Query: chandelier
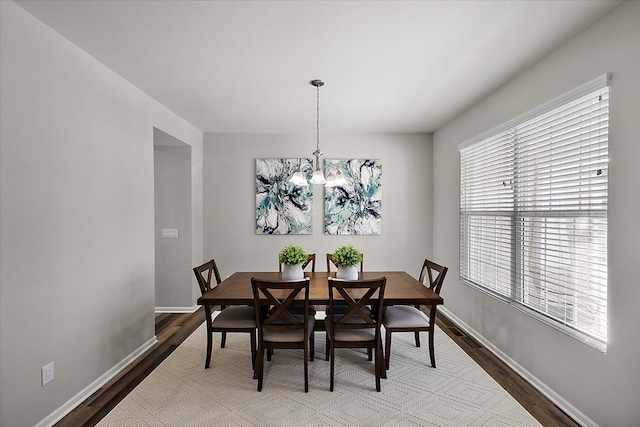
x: 318, y: 175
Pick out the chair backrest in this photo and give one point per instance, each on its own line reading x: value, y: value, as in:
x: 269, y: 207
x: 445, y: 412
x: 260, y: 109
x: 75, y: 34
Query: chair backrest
x: 330, y: 261
x: 357, y: 294
x: 435, y: 273
x: 204, y: 273
x: 311, y: 259
x: 279, y: 295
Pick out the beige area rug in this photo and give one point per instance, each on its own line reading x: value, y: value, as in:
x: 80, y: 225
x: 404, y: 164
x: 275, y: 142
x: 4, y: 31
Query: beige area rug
x: 180, y: 392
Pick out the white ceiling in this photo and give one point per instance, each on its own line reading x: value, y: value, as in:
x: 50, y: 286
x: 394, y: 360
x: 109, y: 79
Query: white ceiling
x: 389, y: 66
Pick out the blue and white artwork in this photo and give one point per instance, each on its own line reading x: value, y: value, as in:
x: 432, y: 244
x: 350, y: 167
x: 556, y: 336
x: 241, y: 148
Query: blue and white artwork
x: 355, y: 208
x: 281, y: 207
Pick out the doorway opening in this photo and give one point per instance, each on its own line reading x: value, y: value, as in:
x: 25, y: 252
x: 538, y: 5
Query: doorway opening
x: 173, y: 223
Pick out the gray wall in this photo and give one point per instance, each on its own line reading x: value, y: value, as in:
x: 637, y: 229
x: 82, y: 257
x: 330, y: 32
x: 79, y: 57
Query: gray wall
x: 76, y: 218
x: 172, y: 168
x: 77, y: 283
x: 229, y: 199
x: 598, y: 388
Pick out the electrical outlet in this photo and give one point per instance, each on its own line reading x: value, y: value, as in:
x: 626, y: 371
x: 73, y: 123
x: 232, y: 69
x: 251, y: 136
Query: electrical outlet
x: 47, y: 373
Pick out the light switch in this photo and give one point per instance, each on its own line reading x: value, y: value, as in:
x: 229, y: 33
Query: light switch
x: 169, y: 233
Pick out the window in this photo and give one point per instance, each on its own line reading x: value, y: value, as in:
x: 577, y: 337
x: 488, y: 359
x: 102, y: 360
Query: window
x: 533, y: 213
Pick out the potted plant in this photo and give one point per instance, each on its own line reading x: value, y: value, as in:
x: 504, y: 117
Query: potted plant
x: 346, y: 258
x: 291, y: 257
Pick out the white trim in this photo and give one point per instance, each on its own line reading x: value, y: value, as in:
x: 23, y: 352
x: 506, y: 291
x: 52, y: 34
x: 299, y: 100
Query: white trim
x: 563, y: 404
x: 84, y: 394
x: 595, y: 84
x: 177, y: 309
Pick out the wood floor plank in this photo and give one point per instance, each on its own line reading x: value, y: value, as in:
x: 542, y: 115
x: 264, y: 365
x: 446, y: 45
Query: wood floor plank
x: 162, y: 319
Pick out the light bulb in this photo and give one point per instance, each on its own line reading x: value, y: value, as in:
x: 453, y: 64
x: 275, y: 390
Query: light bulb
x: 298, y: 179
x: 318, y: 178
x: 331, y: 181
x: 340, y: 181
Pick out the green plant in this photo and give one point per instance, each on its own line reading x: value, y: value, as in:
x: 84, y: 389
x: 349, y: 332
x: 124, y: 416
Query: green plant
x: 347, y: 256
x: 292, y: 255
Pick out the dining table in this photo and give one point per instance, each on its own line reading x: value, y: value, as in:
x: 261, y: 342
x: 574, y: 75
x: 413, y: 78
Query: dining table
x: 401, y: 289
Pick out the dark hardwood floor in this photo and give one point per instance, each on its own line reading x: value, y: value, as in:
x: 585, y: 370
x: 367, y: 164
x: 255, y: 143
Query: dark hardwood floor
x: 173, y: 329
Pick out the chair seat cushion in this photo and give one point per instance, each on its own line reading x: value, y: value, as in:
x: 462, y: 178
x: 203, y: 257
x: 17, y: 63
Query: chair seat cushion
x: 235, y: 317
x: 294, y: 335
x: 368, y: 334
x: 404, y: 316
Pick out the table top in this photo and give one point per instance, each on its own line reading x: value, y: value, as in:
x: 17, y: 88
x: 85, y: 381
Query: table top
x: 401, y: 289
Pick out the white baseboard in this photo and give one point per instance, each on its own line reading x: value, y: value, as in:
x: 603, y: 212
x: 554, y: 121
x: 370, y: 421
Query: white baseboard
x: 563, y: 404
x: 71, y: 404
x: 177, y: 309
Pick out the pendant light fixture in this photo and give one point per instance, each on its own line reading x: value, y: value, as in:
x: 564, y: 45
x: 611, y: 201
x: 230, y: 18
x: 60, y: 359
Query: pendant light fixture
x: 318, y: 176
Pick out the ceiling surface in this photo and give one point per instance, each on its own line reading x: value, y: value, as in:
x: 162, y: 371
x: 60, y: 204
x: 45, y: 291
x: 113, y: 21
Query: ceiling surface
x: 388, y: 66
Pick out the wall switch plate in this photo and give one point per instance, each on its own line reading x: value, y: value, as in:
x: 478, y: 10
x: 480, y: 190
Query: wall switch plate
x: 47, y: 373
x: 169, y: 233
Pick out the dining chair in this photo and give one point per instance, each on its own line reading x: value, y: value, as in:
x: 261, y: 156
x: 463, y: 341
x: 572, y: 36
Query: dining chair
x: 311, y: 259
x: 340, y: 309
x: 405, y: 318
x: 330, y: 262
x: 356, y: 328
x: 229, y: 319
x: 277, y: 326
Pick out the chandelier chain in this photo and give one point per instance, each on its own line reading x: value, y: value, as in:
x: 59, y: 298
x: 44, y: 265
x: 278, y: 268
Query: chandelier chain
x: 318, y: 118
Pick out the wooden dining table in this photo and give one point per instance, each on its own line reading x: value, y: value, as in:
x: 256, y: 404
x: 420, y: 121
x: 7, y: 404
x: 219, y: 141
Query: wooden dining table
x: 401, y: 289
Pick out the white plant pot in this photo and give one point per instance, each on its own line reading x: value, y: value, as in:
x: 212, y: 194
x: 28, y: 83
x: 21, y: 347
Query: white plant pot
x: 292, y: 272
x: 347, y: 273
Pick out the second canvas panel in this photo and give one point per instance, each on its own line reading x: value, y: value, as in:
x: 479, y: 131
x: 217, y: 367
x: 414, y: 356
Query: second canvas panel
x: 356, y: 207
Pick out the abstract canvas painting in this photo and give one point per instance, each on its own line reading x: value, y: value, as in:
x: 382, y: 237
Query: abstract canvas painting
x: 355, y: 208
x: 281, y: 207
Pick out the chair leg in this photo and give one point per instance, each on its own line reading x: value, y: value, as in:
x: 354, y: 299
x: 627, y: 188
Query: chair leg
x: 259, y: 367
x: 383, y: 366
x: 269, y: 353
x: 387, y: 348
x: 417, y: 338
x: 209, y: 346
x: 332, y: 351
x: 378, y: 365
x: 431, y: 351
x: 369, y: 354
x: 224, y: 340
x: 326, y: 347
x: 312, y: 345
x: 383, y: 363
x: 253, y: 349
x: 306, y: 367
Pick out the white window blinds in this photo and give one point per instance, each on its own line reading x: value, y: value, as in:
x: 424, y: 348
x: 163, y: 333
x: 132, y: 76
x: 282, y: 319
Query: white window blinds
x: 533, y: 213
